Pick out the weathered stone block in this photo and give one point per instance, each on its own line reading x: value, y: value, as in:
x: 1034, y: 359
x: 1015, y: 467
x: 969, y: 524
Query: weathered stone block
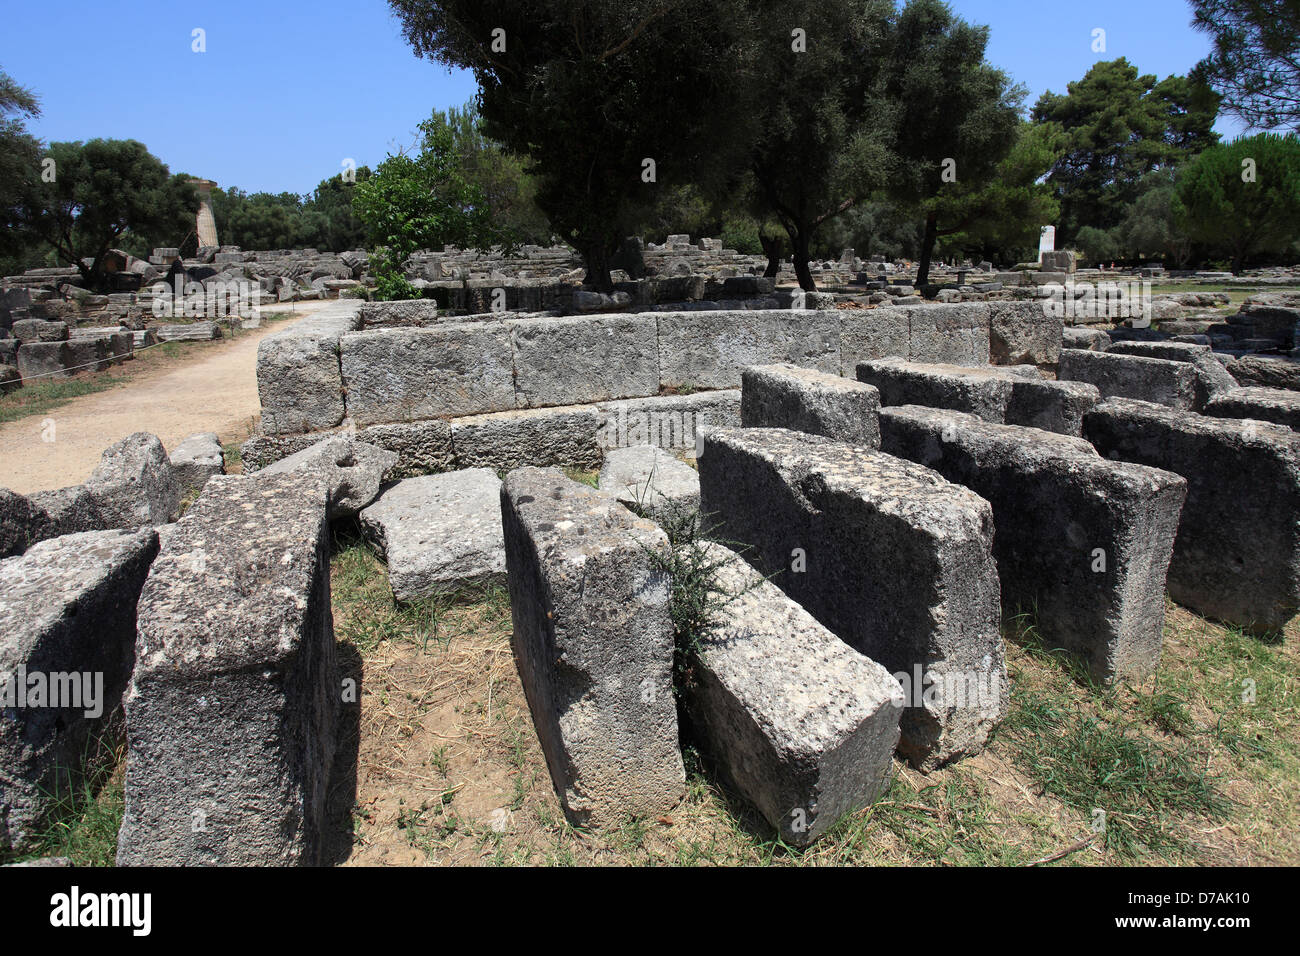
x: 985, y: 392
x: 1052, y: 406
x: 394, y: 375
x: 196, y: 459
x: 955, y: 334
x: 594, y: 645
x: 887, y: 554
x: 807, y: 741
x: 583, y: 360
x: 868, y: 334
x: 1090, y: 339
x: 1277, y: 405
x: 1084, y: 541
x: 804, y: 400
x: 650, y: 481
x: 232, y: 709
x: 351, y: 470
x: 672, y: 422
x: 439, y: 533
x: 709, y: 349
x: 1130, y: 376
x: 67, y: 633
x: 1023, y: 333
x: 299, y: 380
x: 539, y: 437
x: 1237, y: 554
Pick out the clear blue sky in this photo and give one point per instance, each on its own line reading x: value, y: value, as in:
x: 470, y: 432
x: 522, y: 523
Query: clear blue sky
x: 288, y: 89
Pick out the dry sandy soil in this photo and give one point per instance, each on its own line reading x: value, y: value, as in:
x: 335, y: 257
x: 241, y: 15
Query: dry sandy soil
x: 210, y: 389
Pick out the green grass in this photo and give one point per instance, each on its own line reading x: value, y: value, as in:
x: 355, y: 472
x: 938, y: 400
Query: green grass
x: 40, y: 397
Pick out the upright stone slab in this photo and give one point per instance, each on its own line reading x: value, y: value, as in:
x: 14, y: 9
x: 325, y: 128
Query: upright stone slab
x: 1212, y: 378
x: 804, y: 400
x: 1161, y: 381
x: 67, y: 639
x: 1237, y: 554
x: 887, y: 554
x: 353, y: 471
x: 232, y: 709
x: 869, y: 334
x: 956, y: 334
x: 800, y: 723
x: 439, y: 533
x: 1024, y: 333
x: 594, y: 645
x: 1083, y: 541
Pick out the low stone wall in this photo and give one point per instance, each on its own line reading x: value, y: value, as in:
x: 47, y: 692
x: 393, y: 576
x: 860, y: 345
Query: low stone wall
x: 328, y: 368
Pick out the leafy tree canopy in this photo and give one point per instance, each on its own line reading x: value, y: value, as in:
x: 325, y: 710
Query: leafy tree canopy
x: 1256, y: 60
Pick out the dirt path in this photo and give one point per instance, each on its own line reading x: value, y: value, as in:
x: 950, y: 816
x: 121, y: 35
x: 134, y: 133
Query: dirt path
x: 214, y: 389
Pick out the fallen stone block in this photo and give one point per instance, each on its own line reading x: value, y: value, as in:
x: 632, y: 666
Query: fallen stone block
x: 67, y: 616
x: 1084, y: 541
x: 803, y: 400
x: 40, y: 330
x: 1265, y: 371
x: 134, y: 484
x: 352, y: 471
x: 1130, y: 376
x: 405, y: 374
x: 20, y: 523
x: 232, y: 708
x: 584, y: 360
x: 887, y: 554
x: 439, y: 533
x: 806, y: 742
x: 422, y: 448
x: 1237, y: 554
x: 1277, y: 405
x: 650, y: 481
x: 10, y: 379
x: 196, y: 459
x: 188, y: 332
x: 1212, y: 378
x: 593, y: 642
x: 1051, y: 406
x: 43, y: 360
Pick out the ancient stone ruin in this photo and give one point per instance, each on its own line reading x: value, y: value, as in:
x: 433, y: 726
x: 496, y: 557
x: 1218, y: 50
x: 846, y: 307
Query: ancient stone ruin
x: 877, y: 489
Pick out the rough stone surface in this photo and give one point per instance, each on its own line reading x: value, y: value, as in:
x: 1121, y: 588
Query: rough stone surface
x: 1056, y: 505
x: 594, y: 645
x: 233, y: 705
x: 299, y: 381
x: 803, y: 400
x: 134, y: 484
x: 1212, y: 378
x: 439, y: 533
x: 709, y: 349
x: 673, y: 422
x: 422, y: 448
x: 1083, y: 338
x: 583, y: 360
x: 956, y: 334
x: 352, y: 470
x: 870, y: 334
x: 1051, y: 406
x: 887, y: 554
x: 21, y: 523
x: 403, y: 374
x: 648, y: 480
x: 538, y: 437
x: 1161, y: 381
x: 1022, y: 333
x: 807, y: 741
x: 1265, y: 371
x: 1277, y: 405
x: 1237, y: 554
x: 196, y: 459
x: 67, y: 607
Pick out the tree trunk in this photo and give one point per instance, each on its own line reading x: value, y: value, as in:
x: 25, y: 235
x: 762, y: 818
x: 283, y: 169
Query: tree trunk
x: 927, y: 249
x: 772, y: 249
x: 599, y: 260
x: 801, y: 270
